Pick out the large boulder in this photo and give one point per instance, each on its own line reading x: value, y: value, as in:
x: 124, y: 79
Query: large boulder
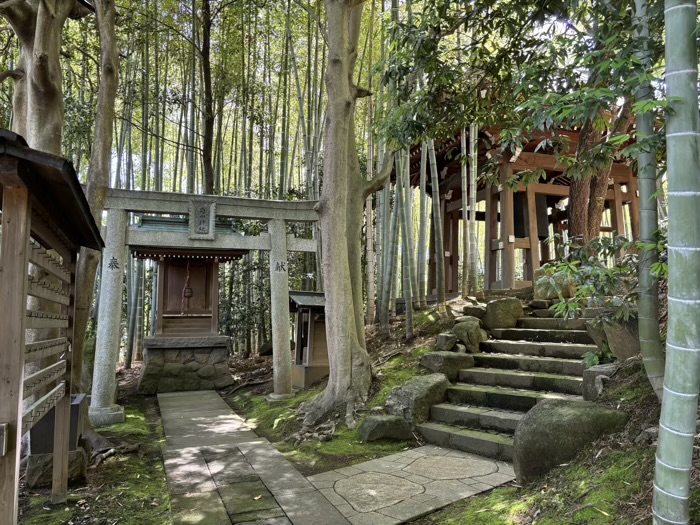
x: 502, y: 313
x: 414, y: 399
x: 552, y: 285
x: 373, y: 428
x: 470, y: 333
x: 623, y: 338
x: 555, y: 430
x: 445, y: 342
x: 448, y: 363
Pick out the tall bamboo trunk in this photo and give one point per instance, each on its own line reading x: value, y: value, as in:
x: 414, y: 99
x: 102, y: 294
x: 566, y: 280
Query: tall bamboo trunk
x: 678, y: 423
x: 473, y: 246
x: 437, y: 227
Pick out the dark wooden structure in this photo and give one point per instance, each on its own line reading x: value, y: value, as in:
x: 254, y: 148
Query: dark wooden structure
x: 311, y: 354
x: 45, y: 221
x: 519, y: 219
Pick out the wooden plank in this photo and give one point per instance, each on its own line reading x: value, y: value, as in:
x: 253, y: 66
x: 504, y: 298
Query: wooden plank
x: 532, y: 257
x: 42, y: 349
x: 39, y: 409
x: 507, y: 230
x: 39, y: 256
x: 528, y: 161
x: 618, y: 217
x: 46, y: 291
x: 489, y: 229
x: 61, y: 442
x: 44, y: 378
x: 13, y: 298
x: 40, y: 320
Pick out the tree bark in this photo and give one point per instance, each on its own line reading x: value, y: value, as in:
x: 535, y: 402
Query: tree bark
x: 340, y: 215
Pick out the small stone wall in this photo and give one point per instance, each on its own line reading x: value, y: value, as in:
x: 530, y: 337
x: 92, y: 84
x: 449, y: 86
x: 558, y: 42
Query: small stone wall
x: 175, y: 364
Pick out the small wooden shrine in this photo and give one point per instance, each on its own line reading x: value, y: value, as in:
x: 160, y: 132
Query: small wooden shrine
x: 311, y: 350
x: 520, y: 219
x: 45, y: 221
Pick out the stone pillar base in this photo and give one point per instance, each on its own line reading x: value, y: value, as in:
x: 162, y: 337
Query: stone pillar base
x: 103, y: 416
x: 275, y: 398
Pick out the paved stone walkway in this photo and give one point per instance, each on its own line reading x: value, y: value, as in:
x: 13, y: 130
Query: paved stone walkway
x: 220, y: 472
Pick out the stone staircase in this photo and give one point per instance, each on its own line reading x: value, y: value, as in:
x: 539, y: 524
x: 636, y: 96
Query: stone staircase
x: 539, y: 359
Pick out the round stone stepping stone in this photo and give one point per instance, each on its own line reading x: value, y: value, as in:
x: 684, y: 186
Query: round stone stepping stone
x: 444, y: 467
x: 371, y: 491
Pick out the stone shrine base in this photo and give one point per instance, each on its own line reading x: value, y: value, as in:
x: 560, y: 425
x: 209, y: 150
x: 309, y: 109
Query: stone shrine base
x: 175, y: 364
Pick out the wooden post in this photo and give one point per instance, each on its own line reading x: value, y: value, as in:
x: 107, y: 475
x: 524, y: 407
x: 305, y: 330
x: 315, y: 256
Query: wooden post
x: 432, y: 262
x: 490, y: 227
x: 633, y: 192
x: 507, y: 230
x: 617, y: 218
x: 215, y: 296
x: 16, y: 224
x: 159, y: 272
x: 533, y: 254
x: 61, y: 437
x: 454, y: 251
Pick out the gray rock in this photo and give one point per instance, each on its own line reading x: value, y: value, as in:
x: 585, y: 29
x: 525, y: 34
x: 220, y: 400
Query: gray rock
x: 373, y: 428
x: 448, y: 363
x: 414, y: 399
x: 593, y: 379
x: 551, y: 286
x: 623, y: 338
x: 595, y: 330
x: 40, y: 468
x: 555, y: 430
x: 469, y: 332
x: 647, y: 436
x: 474, y: 310
x: 265, y: 348
x: 461, y: 349
x: 502, y: 313
x: 445, y: 342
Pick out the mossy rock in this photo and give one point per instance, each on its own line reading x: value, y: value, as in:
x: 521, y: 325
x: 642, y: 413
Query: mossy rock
x: 502, y: 313
x: 470, y: 333
x: 555, y: 430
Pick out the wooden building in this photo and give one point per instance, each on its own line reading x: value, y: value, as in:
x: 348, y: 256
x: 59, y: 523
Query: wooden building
x: 45, y: 221
x: 519, y: 219
x: 311, y: 347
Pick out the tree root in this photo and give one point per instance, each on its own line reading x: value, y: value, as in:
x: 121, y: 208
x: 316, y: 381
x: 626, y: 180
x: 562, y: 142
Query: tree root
x: 122, y: 449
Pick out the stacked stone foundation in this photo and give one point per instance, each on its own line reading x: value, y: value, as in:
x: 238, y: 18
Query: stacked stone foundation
x: 176, y: 364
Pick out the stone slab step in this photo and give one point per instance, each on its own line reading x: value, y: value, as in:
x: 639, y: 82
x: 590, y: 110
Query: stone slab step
x: 500, y: 397
x: 521, y: 379
x: 552, y: 323
x: 550, y: 365
x: 546, y: 336
x: 543, y: 314
x: 476, y: 417
x: 496, y: 446
x: 559, y: 350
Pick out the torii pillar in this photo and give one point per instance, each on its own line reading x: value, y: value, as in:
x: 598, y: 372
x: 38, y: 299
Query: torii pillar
x: 103, y: 408
x: 279, y: 295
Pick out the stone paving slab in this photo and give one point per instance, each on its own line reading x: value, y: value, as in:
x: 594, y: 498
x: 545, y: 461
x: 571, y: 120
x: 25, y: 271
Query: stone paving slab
x: 408, y: 485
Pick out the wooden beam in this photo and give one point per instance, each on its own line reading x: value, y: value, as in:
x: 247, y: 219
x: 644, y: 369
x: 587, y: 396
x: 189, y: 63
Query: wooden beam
x: 617, y: 216
x: 527, y: 161
x: 633, y: 195
x: 507, y: 229
x: 490, y: 230
x: 13, y: 297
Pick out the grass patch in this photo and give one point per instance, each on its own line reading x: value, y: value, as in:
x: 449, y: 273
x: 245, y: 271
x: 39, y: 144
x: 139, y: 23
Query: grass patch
x: 127, y: 489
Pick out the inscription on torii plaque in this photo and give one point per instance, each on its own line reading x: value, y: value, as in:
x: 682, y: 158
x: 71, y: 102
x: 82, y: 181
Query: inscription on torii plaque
x: 202, y: 219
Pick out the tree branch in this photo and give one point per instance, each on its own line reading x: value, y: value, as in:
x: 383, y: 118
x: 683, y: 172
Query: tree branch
x: 309, y: 11
x: 14, y: 74
x: 381, y: 178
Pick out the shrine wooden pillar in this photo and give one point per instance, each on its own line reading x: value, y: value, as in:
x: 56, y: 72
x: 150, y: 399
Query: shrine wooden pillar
x: 635, y: 213
x: 617, y: 217
x: 490, y: 229
x: 507, y: 241
x: 533, y: 253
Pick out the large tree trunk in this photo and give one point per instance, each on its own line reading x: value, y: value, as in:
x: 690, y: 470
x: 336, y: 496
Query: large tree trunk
x: 678, y: 423
x: 98, y: 174
x: 340, y: 214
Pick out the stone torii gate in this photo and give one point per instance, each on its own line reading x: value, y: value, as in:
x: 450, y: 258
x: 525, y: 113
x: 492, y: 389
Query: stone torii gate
x: 202, y: 211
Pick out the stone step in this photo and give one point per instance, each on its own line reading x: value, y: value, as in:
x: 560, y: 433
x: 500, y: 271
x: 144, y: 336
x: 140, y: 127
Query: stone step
x: 559, y: 350
x: 552, y: 323
x: 547, y: 336
x: 520, y: 379
x: 543, y: 314
x: 496, y: 446
x: 500, y: 397
x: 550, y: 365
x: 587, y: 313
x: 476, y: 417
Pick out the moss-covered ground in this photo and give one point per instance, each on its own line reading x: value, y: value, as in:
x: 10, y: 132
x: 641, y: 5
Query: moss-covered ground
x: 280, y: 420
x: 125, y: 489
